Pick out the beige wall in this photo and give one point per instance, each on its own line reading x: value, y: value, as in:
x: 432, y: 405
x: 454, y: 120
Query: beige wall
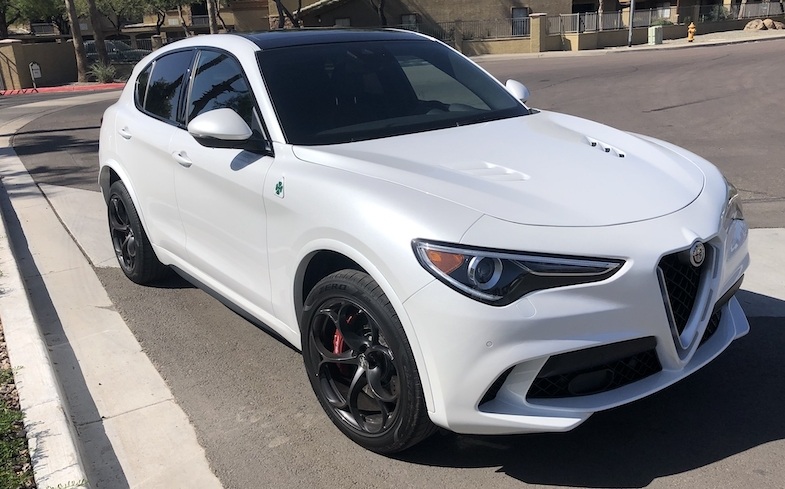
x: 450, y: 10
x: 428, y: 11
x: 57, y: 61
x: 248, y: 16
x: 496, y: 46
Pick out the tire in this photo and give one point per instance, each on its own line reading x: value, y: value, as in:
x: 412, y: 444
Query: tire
x: 360, y: 365
x: 133, y: 250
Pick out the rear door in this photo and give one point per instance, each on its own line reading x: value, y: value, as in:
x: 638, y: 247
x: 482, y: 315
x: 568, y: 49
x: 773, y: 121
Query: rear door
x: 144, y: 133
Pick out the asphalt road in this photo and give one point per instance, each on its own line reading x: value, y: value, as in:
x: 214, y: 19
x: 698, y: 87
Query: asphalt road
x: 261, y: 426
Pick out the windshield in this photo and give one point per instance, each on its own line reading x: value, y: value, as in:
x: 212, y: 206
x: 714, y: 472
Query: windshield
x: 119, y: 45
x: 342, y: 92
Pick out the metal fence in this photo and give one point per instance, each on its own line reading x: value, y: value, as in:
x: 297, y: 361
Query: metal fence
x: 41, y: 28
x: 200, y: 20
x: 474, y: 29
x: 496, y: 29
x: 594, y: 21
x: 144, y: 44
x: 752, y: 10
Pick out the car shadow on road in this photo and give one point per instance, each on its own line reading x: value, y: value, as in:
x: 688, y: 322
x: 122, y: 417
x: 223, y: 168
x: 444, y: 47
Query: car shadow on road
x: 732, y: 405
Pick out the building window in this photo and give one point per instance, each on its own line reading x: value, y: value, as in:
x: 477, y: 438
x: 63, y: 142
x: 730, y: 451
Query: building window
x: 520, y: 21
x: 409, y: 21
x: 343, y: 22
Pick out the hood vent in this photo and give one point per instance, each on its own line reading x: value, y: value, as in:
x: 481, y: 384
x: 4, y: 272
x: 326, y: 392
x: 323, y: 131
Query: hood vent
x: 607, y: 148
x: 489, y: 171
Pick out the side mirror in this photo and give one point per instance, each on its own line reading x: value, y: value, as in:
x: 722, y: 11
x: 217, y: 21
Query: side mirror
x: 220, y: 128
x: 518, y: 90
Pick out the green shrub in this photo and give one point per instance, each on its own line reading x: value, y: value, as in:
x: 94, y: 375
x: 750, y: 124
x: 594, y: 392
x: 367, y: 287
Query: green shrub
x: 102, y: 73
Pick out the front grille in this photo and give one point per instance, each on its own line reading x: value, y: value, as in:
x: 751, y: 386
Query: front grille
x: 711, y: 328
x: 681, y: 286
x: 556, y: 381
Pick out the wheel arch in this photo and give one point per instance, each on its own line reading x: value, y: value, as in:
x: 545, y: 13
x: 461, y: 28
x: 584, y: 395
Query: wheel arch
x: 108, y: 175
x: 320, y: 263
x: 313, y: 268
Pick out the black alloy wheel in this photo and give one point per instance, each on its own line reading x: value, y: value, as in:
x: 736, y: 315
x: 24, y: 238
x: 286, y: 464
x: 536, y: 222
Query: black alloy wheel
x: 360, y: 364
x: 133, y: 250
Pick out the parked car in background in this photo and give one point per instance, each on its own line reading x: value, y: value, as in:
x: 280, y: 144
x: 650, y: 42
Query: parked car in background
x: 118, y: 51
x: 442, y: 254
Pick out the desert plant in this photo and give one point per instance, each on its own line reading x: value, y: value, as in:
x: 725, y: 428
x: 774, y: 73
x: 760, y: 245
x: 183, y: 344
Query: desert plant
x: 103, y: 73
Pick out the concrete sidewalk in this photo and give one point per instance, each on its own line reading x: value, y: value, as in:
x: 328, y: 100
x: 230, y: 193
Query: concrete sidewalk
x: 96, y: 410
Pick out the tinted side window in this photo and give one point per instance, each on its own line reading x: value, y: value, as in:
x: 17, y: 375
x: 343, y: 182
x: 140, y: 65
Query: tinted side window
x: 141, y: 86
x: 166, y: 83
x: 219, y: 83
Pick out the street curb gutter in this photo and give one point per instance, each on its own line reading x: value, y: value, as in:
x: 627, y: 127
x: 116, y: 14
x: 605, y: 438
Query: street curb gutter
x: 51, y: 435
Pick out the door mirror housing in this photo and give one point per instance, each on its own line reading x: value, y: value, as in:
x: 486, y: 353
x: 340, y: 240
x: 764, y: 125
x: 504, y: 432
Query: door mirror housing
x: 224, y: 128
x: 220, y: 124
x: 518, y: 90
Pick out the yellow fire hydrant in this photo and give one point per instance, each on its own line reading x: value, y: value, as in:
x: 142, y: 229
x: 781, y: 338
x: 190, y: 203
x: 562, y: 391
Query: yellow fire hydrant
x: 691, y: 32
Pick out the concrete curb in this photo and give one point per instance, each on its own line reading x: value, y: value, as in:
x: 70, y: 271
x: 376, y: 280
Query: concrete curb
x: 124, y: 420
x: 51, y: 435
x: 88, y: 87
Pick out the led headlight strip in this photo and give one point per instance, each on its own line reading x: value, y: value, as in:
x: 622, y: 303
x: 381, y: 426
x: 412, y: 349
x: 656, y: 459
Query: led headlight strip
x: 499, y: 277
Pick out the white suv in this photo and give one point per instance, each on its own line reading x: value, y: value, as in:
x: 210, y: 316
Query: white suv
x: 442, y: 254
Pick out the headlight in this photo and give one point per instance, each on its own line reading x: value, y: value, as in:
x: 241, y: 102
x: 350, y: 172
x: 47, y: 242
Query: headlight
x: 500, y: 277
x: 733, y: 210
x: 733, y: 222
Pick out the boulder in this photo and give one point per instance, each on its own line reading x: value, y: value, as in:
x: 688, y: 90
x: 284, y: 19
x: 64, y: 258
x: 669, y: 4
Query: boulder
x: 779, y: 25
x: 755, y: 25
x: 769, y: 24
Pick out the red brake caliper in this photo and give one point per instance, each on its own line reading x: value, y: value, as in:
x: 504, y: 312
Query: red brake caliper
x: 339, y: 346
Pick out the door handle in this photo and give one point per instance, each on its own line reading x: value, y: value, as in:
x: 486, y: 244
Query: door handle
x: 125, y: 133
x: 182, y: 158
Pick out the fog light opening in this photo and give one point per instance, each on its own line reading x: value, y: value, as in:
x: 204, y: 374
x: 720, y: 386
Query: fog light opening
x: 591, y: 382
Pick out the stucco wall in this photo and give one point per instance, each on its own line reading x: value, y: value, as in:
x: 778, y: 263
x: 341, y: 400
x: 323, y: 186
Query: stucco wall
x: 497, y: 46
x: 428, y: 11
x: 449, y: 10
x: 57, y: 62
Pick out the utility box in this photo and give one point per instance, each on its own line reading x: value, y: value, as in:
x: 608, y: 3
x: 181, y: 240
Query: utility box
x: 655, y: 35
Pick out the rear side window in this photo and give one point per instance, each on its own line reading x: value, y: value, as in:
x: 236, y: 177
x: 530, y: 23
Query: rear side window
x: 219, y: 83
x: 169, y: 75
x: 140, y: 90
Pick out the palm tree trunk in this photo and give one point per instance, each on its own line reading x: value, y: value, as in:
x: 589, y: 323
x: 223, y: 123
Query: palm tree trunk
x: 76, y: 34
x: 98, y: 33
x: 212, y: 9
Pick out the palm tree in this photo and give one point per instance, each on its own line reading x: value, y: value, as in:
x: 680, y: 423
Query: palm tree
x: 98, y: 33
x: 76, y: 34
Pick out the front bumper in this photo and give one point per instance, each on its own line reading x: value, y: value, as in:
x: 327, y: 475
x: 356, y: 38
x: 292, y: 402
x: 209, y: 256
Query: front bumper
x: 483, y: 361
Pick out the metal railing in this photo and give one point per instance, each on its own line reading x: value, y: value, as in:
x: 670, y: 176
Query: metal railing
x: 593, y: 21
x: 590, y: 21
x: 144, y: 44
x: 42, y: 28
x: 474, y: 29
x: 496, y: 29
x: 752, y: 10
x: 200, y: 20
x: 655, y: 16
x: 443, y: 31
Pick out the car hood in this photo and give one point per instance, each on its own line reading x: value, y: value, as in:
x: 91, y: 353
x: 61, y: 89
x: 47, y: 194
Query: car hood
x: 544, y: 169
